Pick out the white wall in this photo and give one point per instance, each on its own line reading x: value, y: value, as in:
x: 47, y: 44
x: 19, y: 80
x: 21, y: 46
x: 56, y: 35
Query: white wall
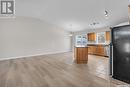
x: 28, y: 36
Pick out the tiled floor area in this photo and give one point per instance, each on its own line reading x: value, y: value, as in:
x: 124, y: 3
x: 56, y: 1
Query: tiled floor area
x: 56, y: 70
x: 98, y: 66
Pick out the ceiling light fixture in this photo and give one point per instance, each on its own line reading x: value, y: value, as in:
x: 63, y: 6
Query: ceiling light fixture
x: 106, y: 10
x: 106, y: 13
x: 94, y: 23
x: 71, y: 34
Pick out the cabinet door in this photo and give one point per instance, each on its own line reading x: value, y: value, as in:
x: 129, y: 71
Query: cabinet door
x: 100, y: 50
x: 129, y: 12
x: 89, y: 50
x: 108, y: 37
x: 94, y: 49
x: 91, y: 36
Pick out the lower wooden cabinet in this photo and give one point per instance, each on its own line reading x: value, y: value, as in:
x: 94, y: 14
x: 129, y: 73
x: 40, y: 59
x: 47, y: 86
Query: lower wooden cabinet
x: 91, y: 49
x: 96, y: 50
x: 81, y: 55
x: 100, y: 50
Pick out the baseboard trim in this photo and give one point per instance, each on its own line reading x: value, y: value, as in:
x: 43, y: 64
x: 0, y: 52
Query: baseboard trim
x: 9, y: 58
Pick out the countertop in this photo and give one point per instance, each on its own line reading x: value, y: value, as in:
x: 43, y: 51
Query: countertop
x: 92, y: 45
x: 81, y: 46
x: 97, y: 44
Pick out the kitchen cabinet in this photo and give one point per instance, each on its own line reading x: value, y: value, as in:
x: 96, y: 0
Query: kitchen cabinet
x: 129, y: 12
x: 108, y: 36
x: 96, y: 50
x: 91, y: 36
x: 81, y: 55
x: 100, y: 50
x: 98, y: 47
x: 91, y: 49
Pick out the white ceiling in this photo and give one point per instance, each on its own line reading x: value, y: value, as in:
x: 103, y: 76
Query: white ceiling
x: 78, y: 13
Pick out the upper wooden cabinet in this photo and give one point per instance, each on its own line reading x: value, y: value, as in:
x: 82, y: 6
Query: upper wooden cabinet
x: 129, y: 12
x: 108, y: 36
x: 91, y: 37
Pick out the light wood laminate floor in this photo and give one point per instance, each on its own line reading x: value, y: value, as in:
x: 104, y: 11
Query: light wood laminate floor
x: 57, y: 70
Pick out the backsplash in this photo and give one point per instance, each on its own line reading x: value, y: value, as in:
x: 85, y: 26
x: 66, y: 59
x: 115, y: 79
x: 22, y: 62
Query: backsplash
x: 92, y: 42
x: 95, y: 42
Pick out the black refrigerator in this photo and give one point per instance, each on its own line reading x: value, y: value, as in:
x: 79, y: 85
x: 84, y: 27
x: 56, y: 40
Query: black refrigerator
x: 120, y: 53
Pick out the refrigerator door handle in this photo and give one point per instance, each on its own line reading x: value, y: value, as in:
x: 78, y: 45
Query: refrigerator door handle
x: 112, y: 60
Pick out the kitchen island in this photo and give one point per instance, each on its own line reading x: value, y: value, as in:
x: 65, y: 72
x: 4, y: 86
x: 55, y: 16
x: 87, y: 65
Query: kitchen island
x: 81, y: 54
